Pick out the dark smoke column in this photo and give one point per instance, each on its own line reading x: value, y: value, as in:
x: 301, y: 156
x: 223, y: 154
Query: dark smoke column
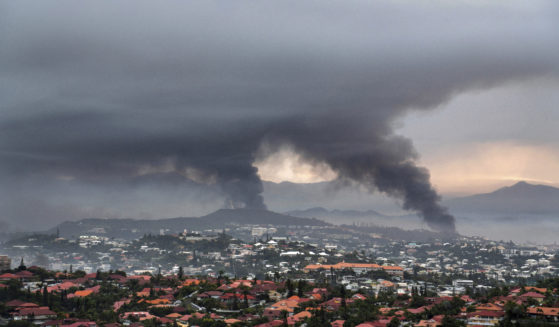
x: 368, y: 153
x: 402, y: 180
x: 242, y: 187
x: 226, y: 159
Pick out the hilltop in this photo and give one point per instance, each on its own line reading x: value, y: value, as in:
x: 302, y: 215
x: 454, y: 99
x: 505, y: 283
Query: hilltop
x: 133, y: 228
x: 521, y: 197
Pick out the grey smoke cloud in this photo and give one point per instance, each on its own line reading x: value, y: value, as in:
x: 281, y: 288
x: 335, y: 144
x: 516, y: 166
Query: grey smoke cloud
x: 95, y: 92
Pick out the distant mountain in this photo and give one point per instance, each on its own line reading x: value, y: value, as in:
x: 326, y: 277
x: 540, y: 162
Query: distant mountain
x: 262, y: 217
x: 340, y: 217
x: 133, y: 228
x: 322, y: 213
x: 286, y: 196
x: 520, y: 198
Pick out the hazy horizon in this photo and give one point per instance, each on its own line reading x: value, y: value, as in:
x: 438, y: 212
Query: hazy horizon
x: 142, y: 109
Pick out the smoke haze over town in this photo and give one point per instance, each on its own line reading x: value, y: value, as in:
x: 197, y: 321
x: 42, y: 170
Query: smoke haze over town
x: 151, y: 110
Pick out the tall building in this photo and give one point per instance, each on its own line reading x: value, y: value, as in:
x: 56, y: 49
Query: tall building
x: 5, y: 263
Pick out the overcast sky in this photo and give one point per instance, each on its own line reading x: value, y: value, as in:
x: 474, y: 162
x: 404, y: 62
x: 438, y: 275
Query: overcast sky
x: 483, y: 140
x: 105, y: 104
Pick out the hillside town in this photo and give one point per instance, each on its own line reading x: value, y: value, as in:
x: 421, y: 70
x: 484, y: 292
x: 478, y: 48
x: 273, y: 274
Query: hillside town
x: 307, y: 163
x: 259, y: 276
x: 33, y: 296
x: 266, y: 250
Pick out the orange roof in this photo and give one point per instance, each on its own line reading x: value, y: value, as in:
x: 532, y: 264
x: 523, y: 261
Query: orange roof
x: 302, y: 315
x: 173, y: 315
x: 158, y: 301
x: 537, y: 289
x: 62, y: 286
x: 83, y: 293
x: 544, y: 311
x: 287, y: 305
x: 344, y: 265
x: 316, y: 296
x: 387, y: 283
x: 189, y: 282
x: 488, y: 307
x: 534, y: 295
x: 392, y: 268
x: 144, y: 277
x: 8, y: 276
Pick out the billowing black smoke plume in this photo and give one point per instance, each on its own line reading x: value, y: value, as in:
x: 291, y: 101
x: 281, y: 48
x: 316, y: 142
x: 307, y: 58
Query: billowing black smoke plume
x: 367, y: 153
x: 103, y: 94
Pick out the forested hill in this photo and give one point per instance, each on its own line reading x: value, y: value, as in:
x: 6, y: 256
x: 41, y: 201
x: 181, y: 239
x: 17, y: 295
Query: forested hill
x: 133, y: 228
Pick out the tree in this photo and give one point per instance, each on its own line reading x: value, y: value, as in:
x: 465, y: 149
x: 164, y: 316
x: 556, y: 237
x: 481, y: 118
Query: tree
x: 45, y: 296
x: 395, y: 322
x: 284, y: 318
x: 301, y: 288
x: 181, y: 273
x: 514, y: 311
x: 417, y: 301
x: 220, y: 276
x: 343, y: 295
x: 289, y: 286
x: 449, y: 321
x: 245, y: 294
x: 235, y: 303
x: 21, y: 265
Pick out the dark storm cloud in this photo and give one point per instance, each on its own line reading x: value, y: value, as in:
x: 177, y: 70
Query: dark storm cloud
x: 102, y: 91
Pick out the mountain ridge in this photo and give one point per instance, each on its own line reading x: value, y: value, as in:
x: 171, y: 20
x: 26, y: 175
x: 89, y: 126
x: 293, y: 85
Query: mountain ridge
x: 132, y: 228
x: 521, y: 197
x: 318, y: 212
